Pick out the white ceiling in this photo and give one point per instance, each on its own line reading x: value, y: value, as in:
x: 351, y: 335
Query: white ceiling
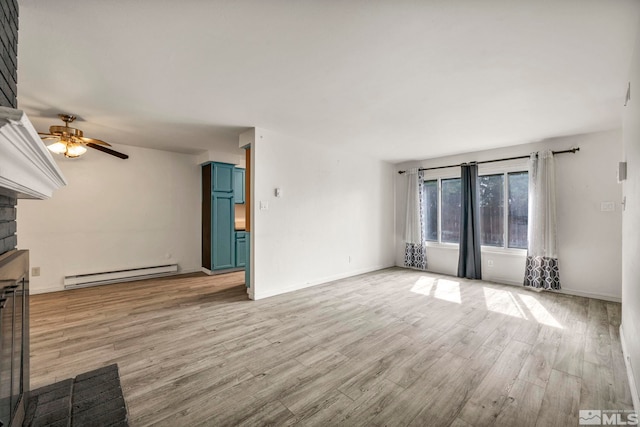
x: 398, y: 80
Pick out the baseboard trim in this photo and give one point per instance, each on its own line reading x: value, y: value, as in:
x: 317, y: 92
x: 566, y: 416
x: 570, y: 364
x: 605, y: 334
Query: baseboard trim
x: 46, y: 290
x: 216, y: 272
x: 35, y: 291
x: 630, y: 376
x: 280, y: 291
x: 593, y: 295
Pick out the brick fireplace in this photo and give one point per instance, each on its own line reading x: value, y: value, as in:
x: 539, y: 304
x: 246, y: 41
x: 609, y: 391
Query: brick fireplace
x: 27, y: 170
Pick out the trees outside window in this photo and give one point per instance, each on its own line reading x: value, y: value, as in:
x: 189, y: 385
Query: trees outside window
x: 503, y: 220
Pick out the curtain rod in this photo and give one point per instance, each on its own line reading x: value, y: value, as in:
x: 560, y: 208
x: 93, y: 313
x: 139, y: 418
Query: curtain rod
x: 572, y: 150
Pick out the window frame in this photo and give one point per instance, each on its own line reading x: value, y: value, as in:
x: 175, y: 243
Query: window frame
x: 504, y: 168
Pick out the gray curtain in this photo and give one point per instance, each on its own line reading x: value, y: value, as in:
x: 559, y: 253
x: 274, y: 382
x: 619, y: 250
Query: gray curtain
x: 469, y: 263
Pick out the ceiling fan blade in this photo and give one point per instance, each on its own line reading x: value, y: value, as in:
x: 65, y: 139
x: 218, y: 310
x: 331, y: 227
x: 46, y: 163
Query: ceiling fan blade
x: 48, y: 136
x: 107, y: 150
x: 93, y: 141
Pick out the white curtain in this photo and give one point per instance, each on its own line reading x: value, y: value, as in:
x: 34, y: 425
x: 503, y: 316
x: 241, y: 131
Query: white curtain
x: 542, y: 259
x: 415, y: 253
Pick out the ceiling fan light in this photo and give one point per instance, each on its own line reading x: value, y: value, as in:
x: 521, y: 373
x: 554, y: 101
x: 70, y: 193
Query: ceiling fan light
x: 58, y: 147
x: 75, y: 150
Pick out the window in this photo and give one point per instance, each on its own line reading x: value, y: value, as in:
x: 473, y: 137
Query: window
x: 451, y: 210
x: 503, y: 199
x: 491, y: 195
x: 430, y: 200
x: 518, y: 209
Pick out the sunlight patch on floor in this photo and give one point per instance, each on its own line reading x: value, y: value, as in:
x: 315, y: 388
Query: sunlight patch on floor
x: 423, y: 285
x: 501, y: 301
x: 447, y: 290
x: 514, y: 304
x: 538, y: 311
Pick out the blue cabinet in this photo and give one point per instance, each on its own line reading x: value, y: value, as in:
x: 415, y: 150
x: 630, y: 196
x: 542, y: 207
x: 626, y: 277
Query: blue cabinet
x: 241, y: 249
x: 222, y: 188
x: 238, y: 185
x: 223, y: 236
x: 222, y: 177
x: 247, y: 264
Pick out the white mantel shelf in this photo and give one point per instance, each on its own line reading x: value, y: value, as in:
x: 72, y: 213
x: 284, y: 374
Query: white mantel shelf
x: 27, y: 168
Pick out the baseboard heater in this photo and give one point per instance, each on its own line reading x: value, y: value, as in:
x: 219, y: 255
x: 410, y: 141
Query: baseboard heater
x: 107, y: 277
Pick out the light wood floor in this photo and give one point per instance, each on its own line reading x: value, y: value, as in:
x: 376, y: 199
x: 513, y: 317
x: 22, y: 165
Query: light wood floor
x: 395, y: 347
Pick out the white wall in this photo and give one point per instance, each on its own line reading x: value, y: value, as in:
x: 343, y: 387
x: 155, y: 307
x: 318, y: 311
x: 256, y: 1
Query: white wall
x: 589, y: 241
x: 114, y: 214
x: 334, y: 219
x: 631, y: 225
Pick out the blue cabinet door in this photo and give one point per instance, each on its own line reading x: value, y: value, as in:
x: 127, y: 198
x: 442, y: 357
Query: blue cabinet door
x: 222, y: 179
x: 241, y: 250
x: 238, y: 184
x: 247, y: 267
x: 222, y: 233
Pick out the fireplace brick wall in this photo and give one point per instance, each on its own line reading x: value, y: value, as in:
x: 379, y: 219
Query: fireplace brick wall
x: 8, y: 238
x: 8, y: 98
x: 9, y: 53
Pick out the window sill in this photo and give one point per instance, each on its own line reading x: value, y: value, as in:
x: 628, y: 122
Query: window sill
x: 483, y: 249
x: 504, y: 251
x: 451, y: 246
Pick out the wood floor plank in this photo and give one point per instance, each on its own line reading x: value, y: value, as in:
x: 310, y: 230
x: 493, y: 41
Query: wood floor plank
x: 405, y: 374
x: 375, y: 372
x: 458, y: 422
x: 561, y: 401
x: 598, y: 319
x: 613, y: 313
x: 598, y: 350
x: 443, y: 403
x: 333, y: 406
x: 272, y: 413
x: 407, y: 406
x: 537, y: 367
x: 570, y: 353
x: 598, y: 390
x: 622, y: 391
x: 522, y: 405
x: 395, y: 347
x: 477, y: 336
x: 488, y: 398
x: 368, y: 405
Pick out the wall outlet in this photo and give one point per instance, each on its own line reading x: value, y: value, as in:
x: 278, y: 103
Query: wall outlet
x: 489, y: 263
x: 35, y: 271
x: 607, y: 206
x: 264, y: 205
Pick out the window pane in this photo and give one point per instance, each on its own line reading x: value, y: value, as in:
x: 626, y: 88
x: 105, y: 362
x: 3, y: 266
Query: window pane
x: 451, y: 210
x: 518, y: 209
x: 491, y: 195
x: 430, y: 210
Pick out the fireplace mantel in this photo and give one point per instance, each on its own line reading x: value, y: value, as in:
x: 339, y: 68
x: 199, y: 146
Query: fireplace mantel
x: 27, y: 168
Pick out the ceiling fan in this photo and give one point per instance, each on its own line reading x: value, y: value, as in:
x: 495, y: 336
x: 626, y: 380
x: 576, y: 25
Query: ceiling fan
x: 71, y: 141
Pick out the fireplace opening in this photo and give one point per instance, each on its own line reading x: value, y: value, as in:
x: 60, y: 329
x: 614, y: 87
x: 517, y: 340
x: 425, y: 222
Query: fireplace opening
x: 14, y: 336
